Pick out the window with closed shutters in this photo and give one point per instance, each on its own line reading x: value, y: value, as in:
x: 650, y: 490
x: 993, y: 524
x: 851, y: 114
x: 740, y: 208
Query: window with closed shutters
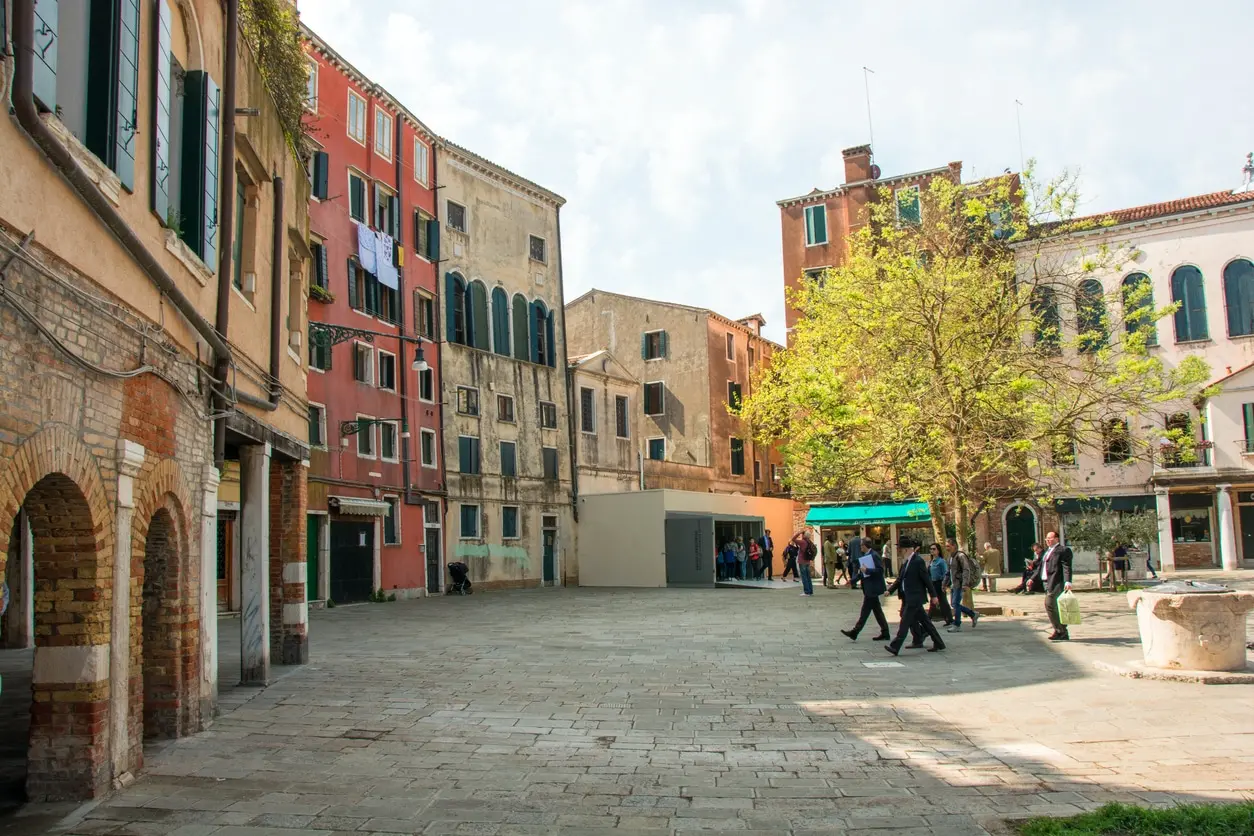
x: 509, y: 522
x: 738, y: 457
x: 816, y: 225
x: 468, y: 455
x: 469, y: 521
x: 392, y: 522
x: 509, y: 458
x: 549, y: 458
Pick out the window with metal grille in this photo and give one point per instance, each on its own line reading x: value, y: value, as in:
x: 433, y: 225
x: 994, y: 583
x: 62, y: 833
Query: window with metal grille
x: 456, y: 217
x: 587, y: 410
x: 621, y: 425
x: 537, y: 248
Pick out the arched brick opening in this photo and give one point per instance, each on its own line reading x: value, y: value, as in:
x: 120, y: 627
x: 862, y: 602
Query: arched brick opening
x: 162, y: 630
x: 68, y: 757
x: 54, y: 477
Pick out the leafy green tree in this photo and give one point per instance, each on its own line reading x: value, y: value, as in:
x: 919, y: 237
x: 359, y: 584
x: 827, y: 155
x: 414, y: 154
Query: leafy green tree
x: 965, y: 350
x: 1102, y: 530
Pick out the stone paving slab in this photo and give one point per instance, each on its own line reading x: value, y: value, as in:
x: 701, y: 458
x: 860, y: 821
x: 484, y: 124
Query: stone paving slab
x: 678, y: 711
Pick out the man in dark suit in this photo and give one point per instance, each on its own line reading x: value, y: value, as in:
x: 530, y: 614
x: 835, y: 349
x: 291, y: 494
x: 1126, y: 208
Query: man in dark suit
x: 916, y: 589
x: 1056, y: 575
x: 872, y: 588
x: 767, y: 545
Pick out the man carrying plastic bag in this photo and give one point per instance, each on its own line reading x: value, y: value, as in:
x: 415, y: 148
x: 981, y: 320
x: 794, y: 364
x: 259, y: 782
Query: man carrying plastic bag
x: 1056, y: 575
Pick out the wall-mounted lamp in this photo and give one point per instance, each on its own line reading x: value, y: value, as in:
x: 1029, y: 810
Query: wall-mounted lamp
x: 420, y: 362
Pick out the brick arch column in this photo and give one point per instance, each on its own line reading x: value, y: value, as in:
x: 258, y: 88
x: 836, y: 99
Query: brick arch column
x: 163, y: 703
x: 56, y: 478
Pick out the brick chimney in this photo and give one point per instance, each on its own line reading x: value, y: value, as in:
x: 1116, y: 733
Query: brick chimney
x: 857, y: 163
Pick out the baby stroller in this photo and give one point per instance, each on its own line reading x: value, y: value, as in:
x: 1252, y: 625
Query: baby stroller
x: 460, y: 585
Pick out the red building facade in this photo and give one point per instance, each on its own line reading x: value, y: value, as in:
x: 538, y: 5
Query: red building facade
x: 376, y: 476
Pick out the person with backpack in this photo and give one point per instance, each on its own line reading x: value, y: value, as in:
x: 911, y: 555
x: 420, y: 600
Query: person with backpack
x: 790, y: 561
x: 964, y: 575
x: 806, y: 552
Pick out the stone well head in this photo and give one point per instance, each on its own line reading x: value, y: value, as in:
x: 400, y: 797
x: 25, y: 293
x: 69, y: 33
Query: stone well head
x: 1187, y: 625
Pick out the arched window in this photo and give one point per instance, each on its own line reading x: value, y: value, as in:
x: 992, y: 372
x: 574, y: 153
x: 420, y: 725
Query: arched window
x: 548, y: 336
x: 539, y: 333
x: 1138, y: 306
x: 456, y: 324
x: 1239, y: 297
x: 477, y: 305
x: 522, y: 350
x: 1090, y: 310
x: 500, y: 321
x: 1046, y: 323
x: 1186, y: 289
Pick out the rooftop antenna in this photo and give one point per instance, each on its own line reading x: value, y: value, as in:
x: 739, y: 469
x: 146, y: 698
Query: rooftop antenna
x: 867, y: 72
x: 1019, y: 124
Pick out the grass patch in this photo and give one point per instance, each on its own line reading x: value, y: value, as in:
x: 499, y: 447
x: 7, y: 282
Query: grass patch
x: 1126, y: 820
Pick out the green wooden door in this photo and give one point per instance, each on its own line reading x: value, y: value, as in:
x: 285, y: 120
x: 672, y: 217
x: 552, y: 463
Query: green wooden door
x: 311, y: 556
x: 1020, y: 535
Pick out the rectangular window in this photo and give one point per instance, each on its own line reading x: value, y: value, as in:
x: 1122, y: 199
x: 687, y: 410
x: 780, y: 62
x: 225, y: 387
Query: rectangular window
x: 657, y: 449
x: 426, y: 444
x: 469, y: 522
x: 422, y: 161
x: 426, y: 236
x: 548, y: 456
x: 621, y: 426
x: 467, y: 400
x: 655, y: 398
x: 388, y: 434
x: 356, y: 117
x: 1190, y: 525
x: 1247, y: 411
x: 1062, y: 452
x: 198, y: 192
x: 505, y: 408
x: 548, y: 415
x: 733, y: 395
x: 365, y: 437
x: 757, y: 470
x: 431, y: 513
x: 386, y: 208
x: 319, y: 352
x: 426, y: 385
x: 909, y: 210
x: 424, y: 315
x: 774, y: 473
x: 509, y: 458
x: 456, y: 217
x: 468, y: 455
x: 321, y: 269
x: 738, y: 457
x: 382, y: 133
x: 1117, y: 445
x: 356, y: 198
x: 392, y: 522
x: 237, y: 247
x: 653, y: 345
x: 587, y: 410
x: 363, y: 363
x: 816, y: 225
x: 387, y: 371
x: 537, y: 248
x: 752, y: 358
x: 317, y: 425
x: 509, y: 522
x: 731, y: 347
x: 311, y: 84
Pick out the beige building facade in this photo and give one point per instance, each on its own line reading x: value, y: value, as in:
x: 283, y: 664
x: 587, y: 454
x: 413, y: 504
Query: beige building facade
x: 691, y: 362
x: 605, y: 395
x: 507, y: 428
x: 153, y: 254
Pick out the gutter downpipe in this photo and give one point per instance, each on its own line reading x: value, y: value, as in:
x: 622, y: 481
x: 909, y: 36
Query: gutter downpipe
x: 402, y: 370
x: 28, y: 117
x: 276, y: 296
x: 226, y: 225
x: 570, y: 408
x: 439, y: 335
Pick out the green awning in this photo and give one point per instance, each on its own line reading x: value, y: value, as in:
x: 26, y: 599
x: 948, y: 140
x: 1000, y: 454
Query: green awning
x: 868, y: 513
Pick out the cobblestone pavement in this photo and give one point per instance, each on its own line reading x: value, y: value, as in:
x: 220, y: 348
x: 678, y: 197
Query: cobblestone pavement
x: 585, y: 711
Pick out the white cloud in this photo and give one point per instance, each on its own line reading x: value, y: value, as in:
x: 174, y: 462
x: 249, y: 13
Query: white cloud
x: 672, y: 126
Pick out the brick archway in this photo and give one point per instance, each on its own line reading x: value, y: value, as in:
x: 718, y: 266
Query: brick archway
x: 57, y: 480
x: 165, y: 623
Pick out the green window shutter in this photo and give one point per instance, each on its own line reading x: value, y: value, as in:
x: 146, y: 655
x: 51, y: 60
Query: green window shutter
x: 45, y: 63
x: 666, y: 351
x: 113, y: 84
x: 433, y: 240
x: 322, y: 165
x: 451, y: 291
x: 537, y: 334
x: 552, y: 346
x: 324, y: 271
x: 201, y: 123
x: 477, y: 309
x: 394, y: 222
x: 644, y: 346
x: 1247, y: 410
x: 521, y: 349
x: 161, y: 115
x: 353, y: 302
x: 820, y: 225
x: 372, y: 295
x: 126, y: 133
x: 500, y: 322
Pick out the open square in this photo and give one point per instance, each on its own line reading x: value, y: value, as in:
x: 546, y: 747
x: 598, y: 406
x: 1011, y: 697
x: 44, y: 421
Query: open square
x: 582, y: 711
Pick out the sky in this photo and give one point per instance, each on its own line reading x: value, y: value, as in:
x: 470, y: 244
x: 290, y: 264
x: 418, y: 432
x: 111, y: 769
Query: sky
x: 672, y: 127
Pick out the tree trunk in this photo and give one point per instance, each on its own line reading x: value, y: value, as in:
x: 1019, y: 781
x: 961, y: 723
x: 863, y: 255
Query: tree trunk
x: 938, y: 521
x: 962, y: 523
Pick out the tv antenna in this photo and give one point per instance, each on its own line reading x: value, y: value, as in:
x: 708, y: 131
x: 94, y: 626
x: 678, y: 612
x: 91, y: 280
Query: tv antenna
x: 867, y: 72
x: 1019, y: 124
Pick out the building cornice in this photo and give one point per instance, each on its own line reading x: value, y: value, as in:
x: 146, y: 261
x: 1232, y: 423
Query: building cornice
x: 467, y: 160
x: 815, y: 197
x: 739, y: 326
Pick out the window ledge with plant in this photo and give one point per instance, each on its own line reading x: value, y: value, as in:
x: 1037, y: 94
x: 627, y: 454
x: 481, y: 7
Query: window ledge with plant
x: 321, y: 294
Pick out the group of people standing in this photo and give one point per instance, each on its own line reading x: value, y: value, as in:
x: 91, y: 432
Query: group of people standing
x: 736, y: 562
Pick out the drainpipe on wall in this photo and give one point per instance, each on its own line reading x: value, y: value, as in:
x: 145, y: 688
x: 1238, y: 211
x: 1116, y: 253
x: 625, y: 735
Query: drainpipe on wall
x: 276, y: 297
x: 226, y: 225
x: 437, y: 342
x: 28, y: 117
x: 401, y: 368
x: 570, y: 410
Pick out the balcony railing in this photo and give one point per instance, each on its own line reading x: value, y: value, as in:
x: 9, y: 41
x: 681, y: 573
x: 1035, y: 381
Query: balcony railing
x: 1171, y: 457
x: 1246, y: 445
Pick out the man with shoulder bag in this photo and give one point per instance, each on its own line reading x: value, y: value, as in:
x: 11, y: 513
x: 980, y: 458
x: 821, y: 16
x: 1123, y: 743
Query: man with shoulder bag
x: 964, y: 575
